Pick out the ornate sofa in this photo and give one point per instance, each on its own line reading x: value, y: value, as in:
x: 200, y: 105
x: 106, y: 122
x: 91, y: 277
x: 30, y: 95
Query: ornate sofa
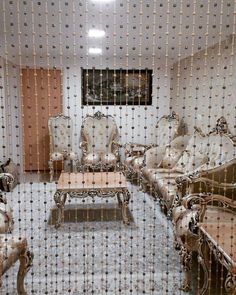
x: 203, y: 153
x: 60, y: 132
x: 12, y: 248
x: 206, y: 223
x: 99, y: 142
x: 167, y: 129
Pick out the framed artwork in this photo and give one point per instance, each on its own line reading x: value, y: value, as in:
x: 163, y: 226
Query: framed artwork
x: 116, y: 87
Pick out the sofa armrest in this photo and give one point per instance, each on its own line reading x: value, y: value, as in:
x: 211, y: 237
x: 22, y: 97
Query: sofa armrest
x: 220, y: 178
x: 203, y: 199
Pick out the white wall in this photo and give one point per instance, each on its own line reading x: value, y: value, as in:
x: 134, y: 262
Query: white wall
x: 10, y: 104
x: 203, y: 87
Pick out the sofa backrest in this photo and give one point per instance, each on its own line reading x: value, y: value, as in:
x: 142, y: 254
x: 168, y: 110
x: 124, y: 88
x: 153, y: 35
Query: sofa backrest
x: 166, y: 156
x: 205, y: 152
x: 195, y: 153
x: 167, y: 129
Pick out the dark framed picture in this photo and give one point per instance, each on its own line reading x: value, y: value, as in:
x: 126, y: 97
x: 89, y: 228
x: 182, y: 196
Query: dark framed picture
x: 116, y: 87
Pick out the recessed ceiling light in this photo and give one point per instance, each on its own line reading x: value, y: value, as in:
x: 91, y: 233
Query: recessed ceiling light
x: 95, y: 50
x: 95, y: 33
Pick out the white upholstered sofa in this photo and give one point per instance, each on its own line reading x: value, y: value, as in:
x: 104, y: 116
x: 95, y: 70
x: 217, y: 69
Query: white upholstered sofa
x: 202, y: 153
x: 167, y: 129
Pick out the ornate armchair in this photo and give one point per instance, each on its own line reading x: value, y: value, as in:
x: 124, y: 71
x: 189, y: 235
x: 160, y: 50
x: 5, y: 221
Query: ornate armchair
x: 99, y: 142
x: 60, y: 132
x: 205, y: 223
x: 167, y: 129
x: 12, y: 248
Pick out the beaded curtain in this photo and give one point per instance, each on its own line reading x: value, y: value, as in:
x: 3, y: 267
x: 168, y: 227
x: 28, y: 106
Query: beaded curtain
x: 132, y: 62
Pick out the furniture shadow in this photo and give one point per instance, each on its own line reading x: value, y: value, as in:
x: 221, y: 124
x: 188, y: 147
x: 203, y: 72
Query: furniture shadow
x: 91, y: 216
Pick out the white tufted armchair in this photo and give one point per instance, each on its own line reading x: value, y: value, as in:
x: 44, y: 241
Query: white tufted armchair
x: 99, y: 142
x: 60, y: 131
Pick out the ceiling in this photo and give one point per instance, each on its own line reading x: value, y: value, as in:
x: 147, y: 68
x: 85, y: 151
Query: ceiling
x: 58, y: 29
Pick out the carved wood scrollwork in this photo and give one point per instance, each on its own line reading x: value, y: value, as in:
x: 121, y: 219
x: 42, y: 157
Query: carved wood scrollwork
x: 60, y: 197
x: 26, y: 260
x: 221, y: 126
x: 186, y: 258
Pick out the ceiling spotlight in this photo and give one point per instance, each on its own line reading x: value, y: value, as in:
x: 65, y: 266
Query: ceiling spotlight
x: 95, y: 50
x: 95, y: 33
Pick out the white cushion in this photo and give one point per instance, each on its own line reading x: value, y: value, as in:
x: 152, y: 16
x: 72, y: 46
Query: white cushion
x: 108, y: 158
x: 91, y: 158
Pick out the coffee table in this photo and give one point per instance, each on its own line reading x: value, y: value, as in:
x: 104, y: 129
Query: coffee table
x: 91, y: 184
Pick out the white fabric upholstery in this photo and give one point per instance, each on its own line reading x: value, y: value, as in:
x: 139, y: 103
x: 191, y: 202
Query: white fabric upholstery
x: 98, y: 135
x: 60, y: 131
x: 203, y: 153
x: 60, y: 128
x: 92, y: 158
x: 108, y: 158
x: 167, y: 129
x: 194, y: 155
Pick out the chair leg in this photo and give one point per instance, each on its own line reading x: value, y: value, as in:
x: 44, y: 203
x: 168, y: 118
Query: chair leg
x: 50, y: 164
x: 26, y: 259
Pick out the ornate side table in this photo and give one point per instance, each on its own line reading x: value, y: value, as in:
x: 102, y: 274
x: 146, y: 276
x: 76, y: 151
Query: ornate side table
x: 91, y: 184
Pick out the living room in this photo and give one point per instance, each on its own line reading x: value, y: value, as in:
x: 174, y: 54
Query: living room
x: 118, y: 151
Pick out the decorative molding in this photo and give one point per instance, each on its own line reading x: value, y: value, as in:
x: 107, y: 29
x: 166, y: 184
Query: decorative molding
x: 173, y: 116
x: 221, y: 127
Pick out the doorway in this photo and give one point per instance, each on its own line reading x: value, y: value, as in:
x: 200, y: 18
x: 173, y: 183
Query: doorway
x: 42, y: 98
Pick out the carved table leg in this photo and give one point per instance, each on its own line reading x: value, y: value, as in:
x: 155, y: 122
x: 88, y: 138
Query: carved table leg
x: 203, y: 259
x: 26, y: 258
x: 186, y: 258
x: 230, y: 283
x: 60, y: 199
x: 119, y: 200
x: 125, y: 203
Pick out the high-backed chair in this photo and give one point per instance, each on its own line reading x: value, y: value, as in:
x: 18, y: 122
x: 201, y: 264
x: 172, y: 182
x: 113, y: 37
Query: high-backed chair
x: 167, y: 129
x: 99, y: 142
x: 60, y: 131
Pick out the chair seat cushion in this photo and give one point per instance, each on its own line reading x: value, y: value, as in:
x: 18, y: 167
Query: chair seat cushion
x: 154, y: 174
x: 109, y: 159
x: 91, y: 159
x: 57, y: 156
